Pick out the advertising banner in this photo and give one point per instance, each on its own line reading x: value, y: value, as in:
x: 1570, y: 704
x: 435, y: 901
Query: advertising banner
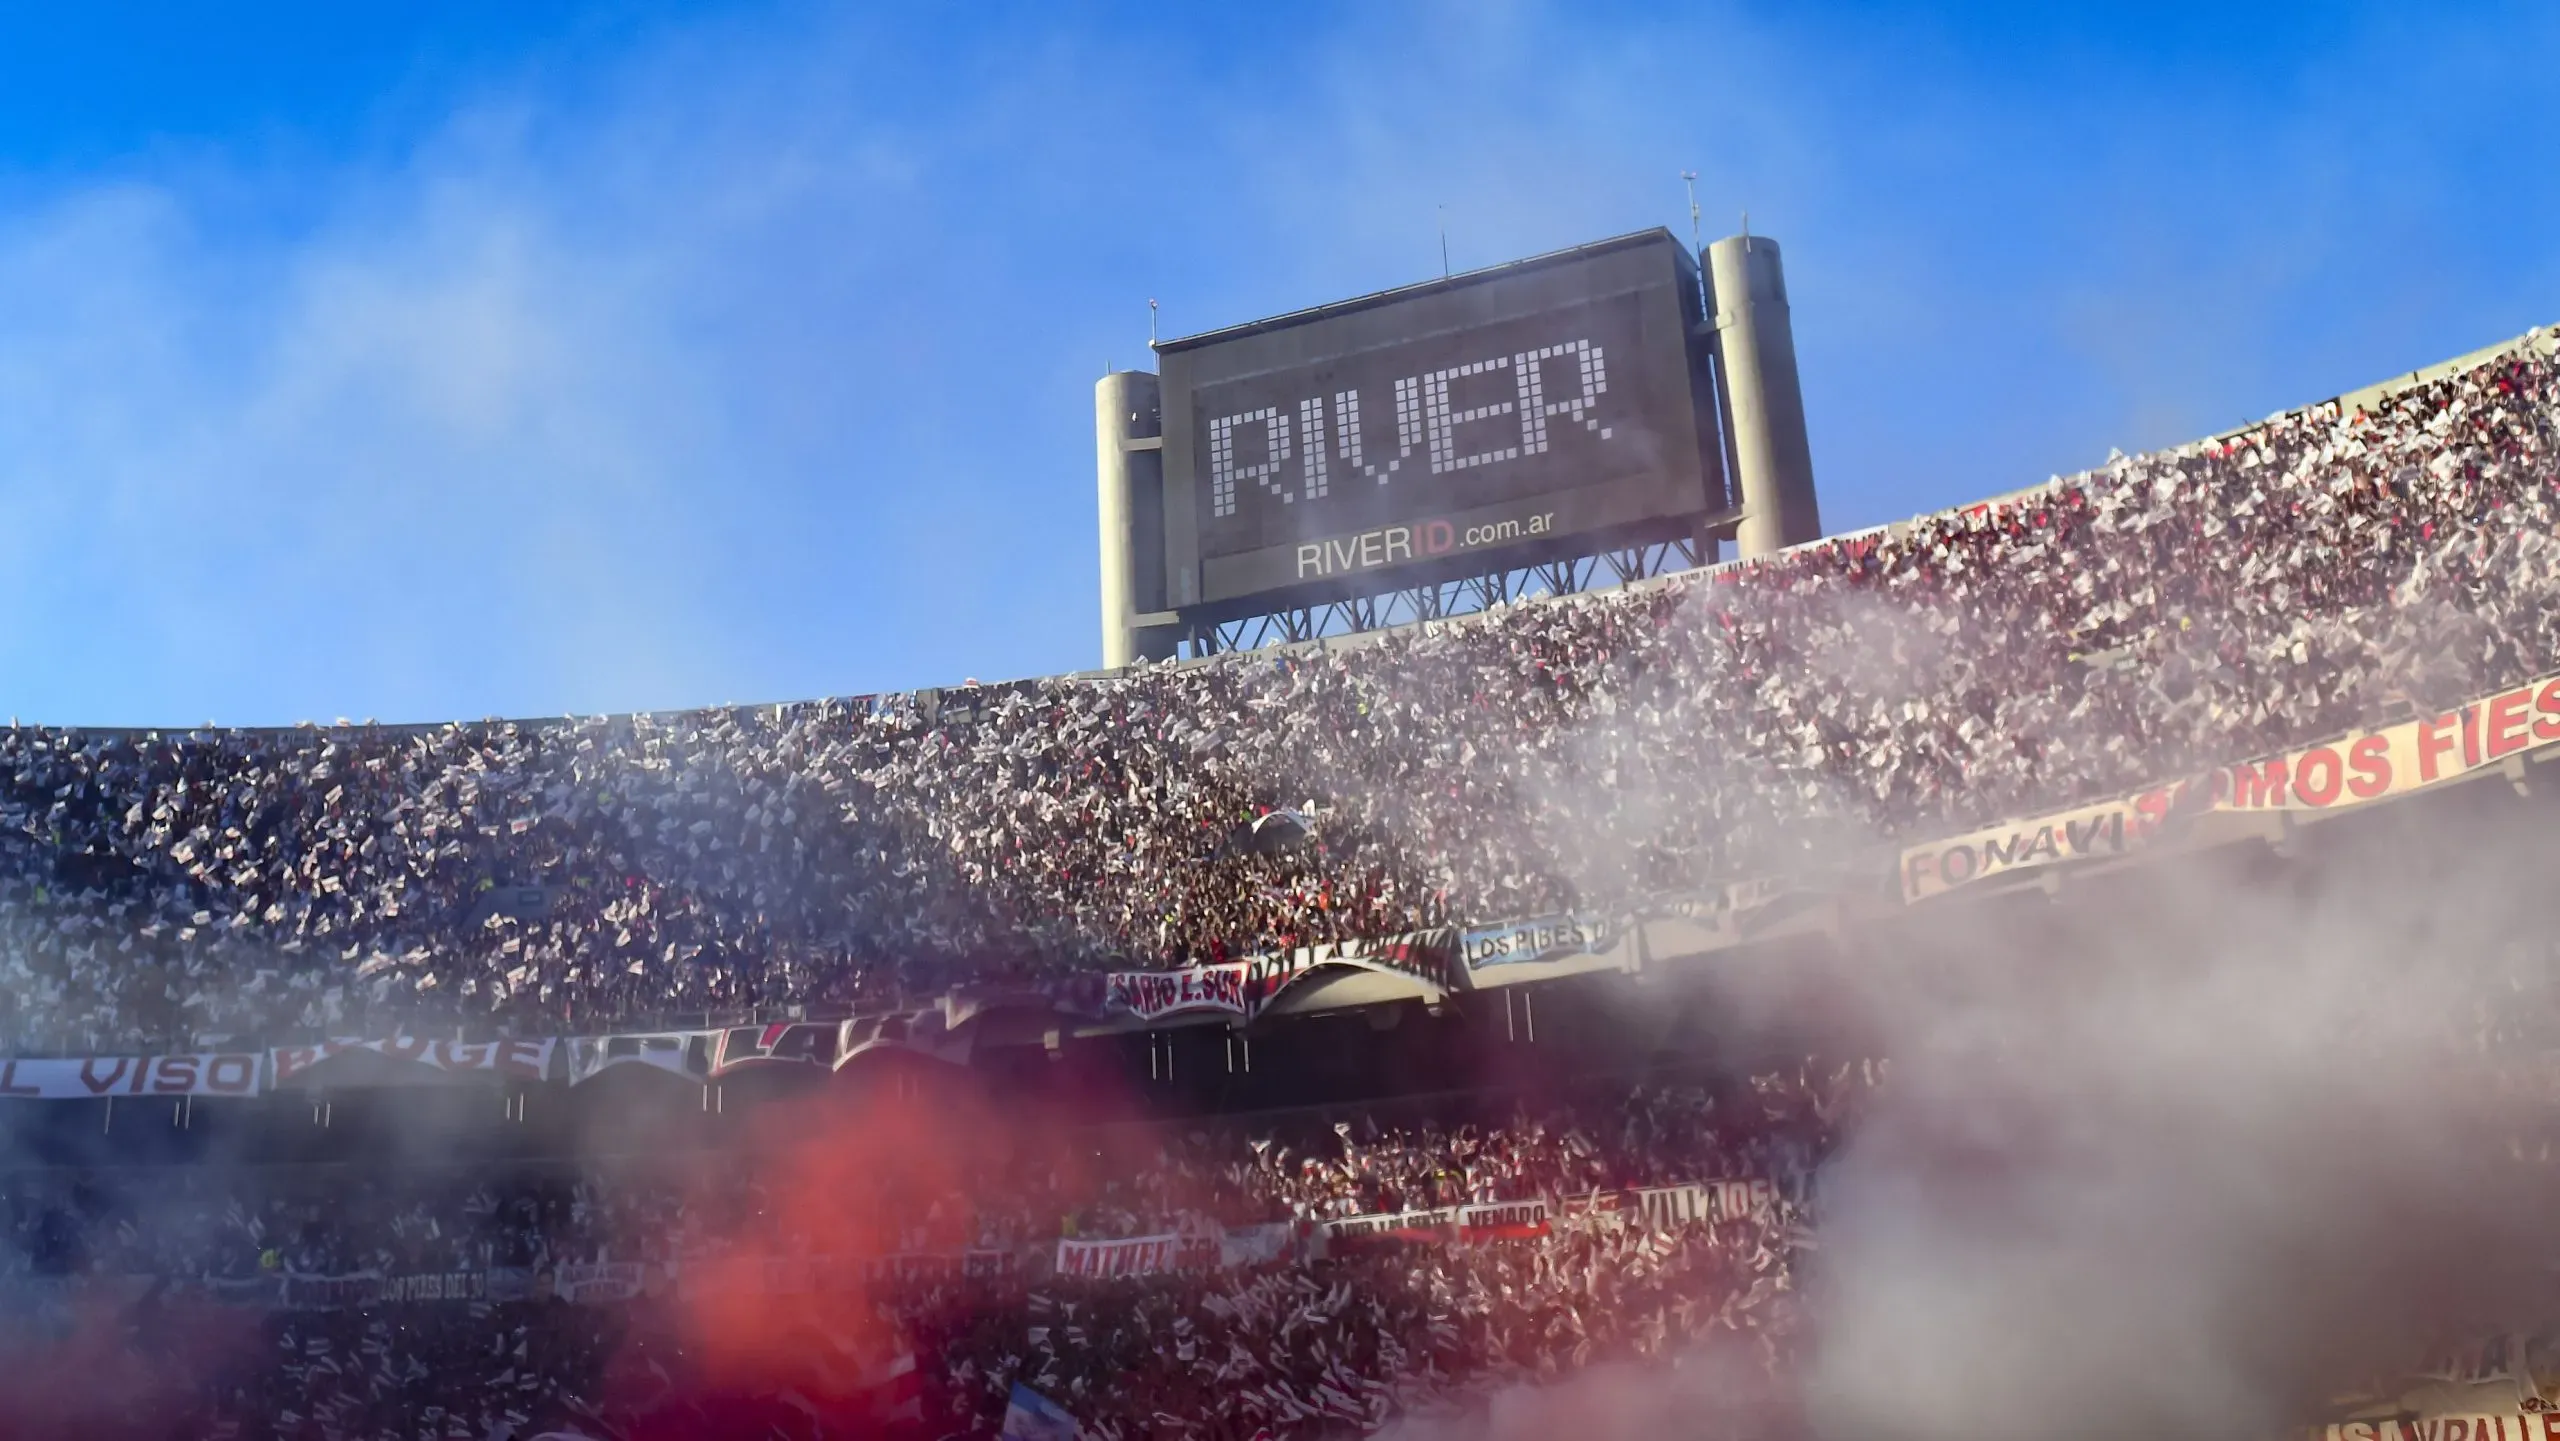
x: 2354, y: 769
x: 1556, y: 396
x: 509, y: 1060
x: 2396, y: 760
x: 2107, y: 828
x: 90, y: 1077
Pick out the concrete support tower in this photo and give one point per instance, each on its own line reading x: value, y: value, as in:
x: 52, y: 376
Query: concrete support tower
x: 1755, y: 348
x: 1128, y: 435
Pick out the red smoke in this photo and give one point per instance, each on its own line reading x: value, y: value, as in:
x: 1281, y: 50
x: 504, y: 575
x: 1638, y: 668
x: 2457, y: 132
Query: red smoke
x: 856, y: 1173
x: 115, y: 1367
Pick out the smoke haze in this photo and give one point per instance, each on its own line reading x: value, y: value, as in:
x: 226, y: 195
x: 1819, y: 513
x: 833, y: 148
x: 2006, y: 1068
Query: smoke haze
x: 2194, y: 1150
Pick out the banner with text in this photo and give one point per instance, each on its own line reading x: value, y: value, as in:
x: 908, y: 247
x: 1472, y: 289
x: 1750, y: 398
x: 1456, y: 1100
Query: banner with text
x: 1242, y: 989
x: 678, y: 1053
x: 91, y: 1077
x: 597, y: 1283
x: 1710, y: 1201
x: 2398, y: 759
x: 2362, y: 766
x: 426, y: 1059
x: 2107, y: 828
x: 1503, y: 1220
x: 1549, y: 938
x: 1435, y: 1223
x: 795, y: 1043
x: 1136, y: 1256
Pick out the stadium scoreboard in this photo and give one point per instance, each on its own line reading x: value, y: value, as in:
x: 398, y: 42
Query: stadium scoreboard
x: 1440, y: 428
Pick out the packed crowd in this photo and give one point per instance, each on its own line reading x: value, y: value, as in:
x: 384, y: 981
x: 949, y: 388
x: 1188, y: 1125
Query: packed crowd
x: 1344, y: 1345
x: 1311, y: 1339
x: 2170, y: 611
x: 1339, y: 1346
x: 191, y: 1225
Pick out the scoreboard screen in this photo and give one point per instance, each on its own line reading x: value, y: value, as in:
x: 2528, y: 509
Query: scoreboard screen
x: 1510, y: 408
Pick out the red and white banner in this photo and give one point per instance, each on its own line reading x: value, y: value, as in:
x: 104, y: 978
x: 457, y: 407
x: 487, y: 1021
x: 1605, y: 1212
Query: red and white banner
x: 514, y: 1060
x: 792, y: 1043
x: 2363, y: 766
x: 923, y: 1032
x: 89, y: 1077
x: 1136, y: 1256
x: 1503, y: 1220
x: 1243, y: 988
x: 2398, y: 759
x: 1237, y: 988
x: 1434, y: 1224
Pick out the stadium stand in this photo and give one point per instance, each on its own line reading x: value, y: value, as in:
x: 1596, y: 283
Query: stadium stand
x: 1297, y: 1283
x: 2169, y: 613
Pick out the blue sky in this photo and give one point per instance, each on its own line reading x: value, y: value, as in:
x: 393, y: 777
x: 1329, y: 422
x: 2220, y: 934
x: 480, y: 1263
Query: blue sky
x: 506, y: 359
